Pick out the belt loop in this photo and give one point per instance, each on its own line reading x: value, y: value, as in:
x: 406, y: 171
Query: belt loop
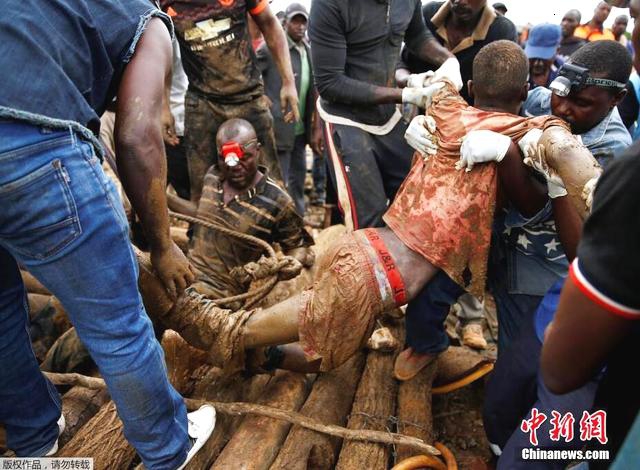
x: 73, y: 136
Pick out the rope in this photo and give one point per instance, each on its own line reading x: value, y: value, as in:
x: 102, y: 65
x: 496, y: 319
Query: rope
x: 252, y: 297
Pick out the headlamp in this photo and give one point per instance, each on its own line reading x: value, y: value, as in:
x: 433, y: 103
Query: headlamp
x: 574, y: 78
x: 233, y: 152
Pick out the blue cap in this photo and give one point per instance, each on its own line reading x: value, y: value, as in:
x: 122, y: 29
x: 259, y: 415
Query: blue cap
x: 543, y: 41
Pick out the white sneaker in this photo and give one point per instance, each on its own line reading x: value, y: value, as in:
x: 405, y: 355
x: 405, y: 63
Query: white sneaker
x: 61, y: 426
x: 200, y: 428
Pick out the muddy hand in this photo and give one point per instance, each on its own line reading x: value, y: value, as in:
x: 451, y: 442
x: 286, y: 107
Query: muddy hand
x: 289, y: 103
x: 173, y: 268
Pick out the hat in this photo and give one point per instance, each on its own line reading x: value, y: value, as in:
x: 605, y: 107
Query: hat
x: 500, y: 6
x: 543, y: 41
x: 296, y: 9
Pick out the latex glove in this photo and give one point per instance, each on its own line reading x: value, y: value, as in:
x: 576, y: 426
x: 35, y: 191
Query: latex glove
x: 419, y: 135
x: 419, y: 80
x: 450, y: 70
x: 421, y: 97
x: 529, y: 143
x: 481, y: 147
x: 555, y: 187
x: 587, y: 191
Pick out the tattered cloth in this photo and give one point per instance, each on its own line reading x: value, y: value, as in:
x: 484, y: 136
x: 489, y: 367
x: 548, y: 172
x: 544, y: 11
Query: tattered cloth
x: 445, y: 214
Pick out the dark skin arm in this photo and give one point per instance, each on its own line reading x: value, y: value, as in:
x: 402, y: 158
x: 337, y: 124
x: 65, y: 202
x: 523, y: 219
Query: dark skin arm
x: 520, y: 187
x: 568, y: 225
x: 140, y: 151
x: 182, y: 206
x: 275, y: 38
x: 578, y: 341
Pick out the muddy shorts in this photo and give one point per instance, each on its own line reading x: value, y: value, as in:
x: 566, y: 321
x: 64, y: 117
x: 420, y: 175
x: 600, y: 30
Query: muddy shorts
x: 351, y: 287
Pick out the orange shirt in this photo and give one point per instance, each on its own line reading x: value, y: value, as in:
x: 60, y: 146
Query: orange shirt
x: 585, y: 31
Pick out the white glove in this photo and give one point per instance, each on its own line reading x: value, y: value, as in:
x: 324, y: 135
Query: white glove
x: 481, y: 147
x: 587, y: 191
x: 421, y: 97
x: 419, y: 80
x: 555, y: 187
x: 419, y: 135
x: 529, y: 143
x: 449, y: 70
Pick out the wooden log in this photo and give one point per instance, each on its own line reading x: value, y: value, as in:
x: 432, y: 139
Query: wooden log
x: 374, y: 403
x: 185, y: 364
x: 68, y: 354
x: 329, y: 402
x: 103, y: 439
x: 32, y: 285
x: 415, y: 416
x: 256, y: 442
x: 79, y: 405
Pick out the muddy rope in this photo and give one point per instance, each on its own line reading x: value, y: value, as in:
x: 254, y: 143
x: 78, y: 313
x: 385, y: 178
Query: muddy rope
x: 251, y: 297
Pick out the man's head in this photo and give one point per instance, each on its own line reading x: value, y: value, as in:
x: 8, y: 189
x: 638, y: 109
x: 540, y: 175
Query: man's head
x: 620, y: 25
x: 238, y: 153
x: 467, y: 10
x: 500, y: 8
x: 295, y: 23
x: 541, y: 48
x: 570, y: 22
x: 601, y: 13
x: 586, y: 107
x: 500, y: 83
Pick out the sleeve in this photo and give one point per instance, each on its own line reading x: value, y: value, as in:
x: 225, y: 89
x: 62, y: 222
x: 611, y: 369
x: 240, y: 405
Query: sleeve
x: 403, y: 62
x: 629, y: 107
x: 289, y: 231
x: 607, y: 268
x: 255, y: 7
x: 329, y: 55
x: 417, y: 32
x: 538, y: 102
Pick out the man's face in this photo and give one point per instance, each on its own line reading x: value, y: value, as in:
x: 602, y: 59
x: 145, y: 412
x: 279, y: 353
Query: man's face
x: 242, y: 175
x: 296, y: 28
x: 569, y: 25
x: 466, y: 10
x: 583, y: 110
x: 601, y: 13
x: 539, y: 66
x: 619, y: 27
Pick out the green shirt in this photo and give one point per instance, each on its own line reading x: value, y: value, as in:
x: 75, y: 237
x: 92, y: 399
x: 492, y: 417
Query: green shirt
x: 305, y: 79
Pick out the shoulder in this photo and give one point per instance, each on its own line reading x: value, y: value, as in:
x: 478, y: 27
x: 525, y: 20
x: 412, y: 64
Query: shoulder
x: 538, y: 102
x: 502, y: 28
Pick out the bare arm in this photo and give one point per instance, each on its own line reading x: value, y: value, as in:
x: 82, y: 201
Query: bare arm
x: 527, y: 194
x: 578, y: 340
x: 568, y: 225
x: 140, y: 150
x: 275, y: 38
x: 182, y: 206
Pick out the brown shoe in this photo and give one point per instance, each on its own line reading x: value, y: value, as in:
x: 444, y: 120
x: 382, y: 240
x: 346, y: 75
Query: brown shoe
x: 409, y: 363
x: 473, y: 337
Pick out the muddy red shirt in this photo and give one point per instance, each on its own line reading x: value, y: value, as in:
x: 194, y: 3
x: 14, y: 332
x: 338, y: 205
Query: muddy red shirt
x: 216, y: 47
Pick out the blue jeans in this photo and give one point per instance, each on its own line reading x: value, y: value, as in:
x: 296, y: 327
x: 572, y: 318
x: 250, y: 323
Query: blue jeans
x: 62, y: 219
x: 426, y: 314
x: 293, y: 164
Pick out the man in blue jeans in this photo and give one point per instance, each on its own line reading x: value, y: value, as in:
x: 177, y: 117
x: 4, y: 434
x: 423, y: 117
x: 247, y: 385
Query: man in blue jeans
x: 63, y: 61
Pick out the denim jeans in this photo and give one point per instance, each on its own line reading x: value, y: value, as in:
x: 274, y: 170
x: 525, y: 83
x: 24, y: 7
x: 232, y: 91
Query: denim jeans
x: 293, y: 164
x: 319, y: 172
x: 62, y: 219
x: 426, y: 314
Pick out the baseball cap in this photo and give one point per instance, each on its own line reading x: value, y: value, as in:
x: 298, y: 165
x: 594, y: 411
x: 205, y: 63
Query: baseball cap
x: 543, y: 41
x: 500, y: 6
x: 296, y: 9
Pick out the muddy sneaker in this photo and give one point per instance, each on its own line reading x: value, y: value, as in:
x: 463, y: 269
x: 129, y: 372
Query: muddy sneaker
x: 473, y: 337
x: 409, y: 363
x: 201, y: 424
x: 61, y: 425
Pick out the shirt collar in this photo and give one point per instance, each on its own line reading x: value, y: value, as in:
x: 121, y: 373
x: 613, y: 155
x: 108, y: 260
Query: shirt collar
x: 479, y: 33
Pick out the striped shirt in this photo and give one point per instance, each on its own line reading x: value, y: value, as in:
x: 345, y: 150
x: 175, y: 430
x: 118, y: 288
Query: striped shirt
x: 265, y: 211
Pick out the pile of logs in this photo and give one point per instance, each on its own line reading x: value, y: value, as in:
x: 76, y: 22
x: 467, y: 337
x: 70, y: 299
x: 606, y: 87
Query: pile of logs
x: 281, y: 421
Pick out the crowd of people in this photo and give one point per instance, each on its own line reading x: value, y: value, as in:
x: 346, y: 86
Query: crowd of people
x: 463, y: 155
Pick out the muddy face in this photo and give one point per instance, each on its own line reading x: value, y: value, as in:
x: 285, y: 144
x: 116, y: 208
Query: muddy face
x: 584, y: 109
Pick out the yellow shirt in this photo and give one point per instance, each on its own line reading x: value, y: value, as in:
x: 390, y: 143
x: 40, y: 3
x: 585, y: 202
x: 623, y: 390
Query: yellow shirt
x: 593, y: 34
